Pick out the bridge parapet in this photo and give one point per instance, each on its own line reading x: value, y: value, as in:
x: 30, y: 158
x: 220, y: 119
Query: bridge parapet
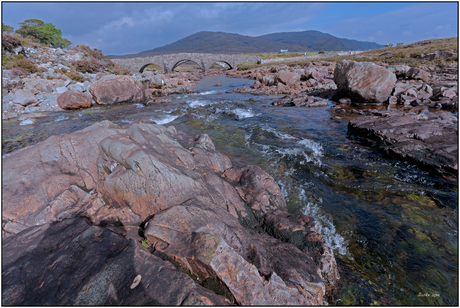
x: 169, y: 62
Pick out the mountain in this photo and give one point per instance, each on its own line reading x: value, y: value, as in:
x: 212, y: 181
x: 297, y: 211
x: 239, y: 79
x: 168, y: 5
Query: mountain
x: 221, y: 42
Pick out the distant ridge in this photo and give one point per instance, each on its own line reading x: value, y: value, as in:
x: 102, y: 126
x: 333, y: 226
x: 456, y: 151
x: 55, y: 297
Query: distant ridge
x: 221, y: 42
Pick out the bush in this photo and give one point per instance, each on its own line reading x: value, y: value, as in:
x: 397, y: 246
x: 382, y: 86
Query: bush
x: 321, y: 51
x: 21, y: 63
x: 9, y: 42
x: 43, y: 33
x: 87, y: 65
x: 74, y: 76
x: 6, y: 28
x: 19, y: 71
x: 93, y: 53
x: 27, y: 65
x: 119, y: 70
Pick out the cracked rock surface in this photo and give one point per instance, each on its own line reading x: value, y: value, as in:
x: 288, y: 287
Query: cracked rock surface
x: 77, y: 206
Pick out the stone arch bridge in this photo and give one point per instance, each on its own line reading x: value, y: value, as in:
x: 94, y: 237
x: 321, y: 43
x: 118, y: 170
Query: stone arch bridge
x: 169, y: 62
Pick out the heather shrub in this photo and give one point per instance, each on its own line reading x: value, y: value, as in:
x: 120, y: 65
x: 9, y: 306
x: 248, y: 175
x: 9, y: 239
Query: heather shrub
x: 9, y: 42
x: 21, y: 63
x: 19, y: 71
x: 95, y: 61
x: 27, y: 65
x: 119, y: 70
x: 74, y: 76
x: 93, y: 53
x: 91, y: 65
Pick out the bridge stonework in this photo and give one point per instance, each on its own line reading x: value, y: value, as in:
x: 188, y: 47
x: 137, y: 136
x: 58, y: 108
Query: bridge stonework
x: 169, y: 62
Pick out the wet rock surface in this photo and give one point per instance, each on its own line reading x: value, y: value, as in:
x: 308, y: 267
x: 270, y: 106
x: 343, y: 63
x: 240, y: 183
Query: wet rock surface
x: 301, y: 100
x: 427, y: 139
x: 226, y: 224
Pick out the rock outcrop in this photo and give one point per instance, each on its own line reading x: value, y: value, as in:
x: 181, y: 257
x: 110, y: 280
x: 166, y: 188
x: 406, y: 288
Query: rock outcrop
x: 224, y: 224
x: 282, y: 79
x: 427, y: 139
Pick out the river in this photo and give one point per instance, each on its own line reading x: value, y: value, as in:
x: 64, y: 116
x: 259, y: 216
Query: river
x: 392, y: 226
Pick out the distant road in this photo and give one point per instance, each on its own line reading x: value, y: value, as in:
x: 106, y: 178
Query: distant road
x: 330, y: 54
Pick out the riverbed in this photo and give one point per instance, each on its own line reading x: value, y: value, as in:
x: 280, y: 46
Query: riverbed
x: 392, y: 226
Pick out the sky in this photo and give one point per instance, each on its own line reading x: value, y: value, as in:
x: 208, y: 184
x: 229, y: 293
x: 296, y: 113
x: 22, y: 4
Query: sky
x: 119, y: 28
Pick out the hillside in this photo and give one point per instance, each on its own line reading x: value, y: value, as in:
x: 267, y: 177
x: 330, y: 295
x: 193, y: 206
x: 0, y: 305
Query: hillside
x: 315, y: 41
x: 221, y: 42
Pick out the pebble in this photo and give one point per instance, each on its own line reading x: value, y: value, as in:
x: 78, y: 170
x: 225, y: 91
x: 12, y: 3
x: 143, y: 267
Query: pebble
x: 28, y: 122
x: 136, y: 281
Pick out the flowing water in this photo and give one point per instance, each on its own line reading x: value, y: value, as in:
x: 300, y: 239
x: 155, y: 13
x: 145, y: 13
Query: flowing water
x: 393, y: 227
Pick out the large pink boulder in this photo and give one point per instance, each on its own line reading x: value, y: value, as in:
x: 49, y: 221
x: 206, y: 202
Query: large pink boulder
x: 74, y: 100
x: 364, y: 82
x: 117, y: 89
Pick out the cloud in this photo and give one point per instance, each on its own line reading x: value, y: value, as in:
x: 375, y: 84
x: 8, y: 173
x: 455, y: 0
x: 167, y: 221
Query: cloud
x: 131, y: 27
x: 416, y: 22
x: 442, y: 28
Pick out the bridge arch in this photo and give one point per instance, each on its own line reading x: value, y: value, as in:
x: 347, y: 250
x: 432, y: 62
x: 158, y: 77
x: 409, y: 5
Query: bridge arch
x: 221, y: 61
x: 161, y: 65
x: 185, y: 61
x: 148, y: 64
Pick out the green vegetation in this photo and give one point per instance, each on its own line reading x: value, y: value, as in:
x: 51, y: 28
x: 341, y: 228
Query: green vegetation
x: 20, y: 63
x: 6, y: 28
x: 406, y: 54
x: 34, y: 32
x: 74, y: 76
x: 265, y: 56
x: 145, y: 243
x: 47, y: 34
x: 321, y: 51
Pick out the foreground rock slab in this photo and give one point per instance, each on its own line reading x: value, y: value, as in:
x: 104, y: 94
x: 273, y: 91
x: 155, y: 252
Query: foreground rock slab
x: 192, y: 206
x: 427, y: 139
